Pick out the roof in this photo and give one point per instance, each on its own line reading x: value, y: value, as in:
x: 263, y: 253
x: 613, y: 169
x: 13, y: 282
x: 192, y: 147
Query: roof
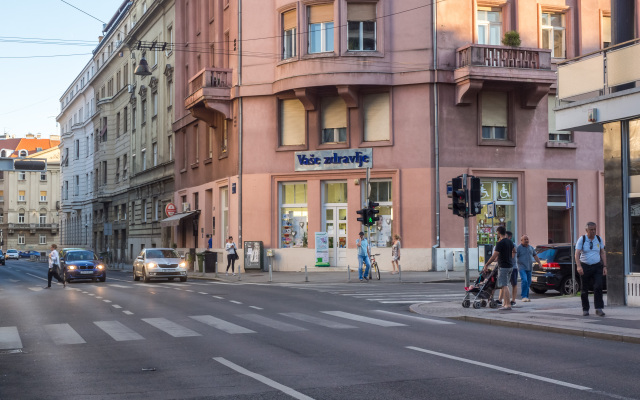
x: 30, y: 144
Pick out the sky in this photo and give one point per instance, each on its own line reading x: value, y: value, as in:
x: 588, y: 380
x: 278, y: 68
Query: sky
x: 31, y: 88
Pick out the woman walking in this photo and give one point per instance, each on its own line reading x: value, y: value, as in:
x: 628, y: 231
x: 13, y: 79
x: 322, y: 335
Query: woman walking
x: 232, y: 254
x: 395, y: 254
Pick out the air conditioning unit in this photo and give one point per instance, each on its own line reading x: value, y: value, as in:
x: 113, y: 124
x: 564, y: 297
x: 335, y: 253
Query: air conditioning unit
x: 186, y: 207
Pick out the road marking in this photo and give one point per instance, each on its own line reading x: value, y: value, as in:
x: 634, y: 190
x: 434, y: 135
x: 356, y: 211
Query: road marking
x: 115, y: 306
x: 188, y: 290
x: 121, y: 286
x: 107, y: 301
x: 10, y: 338
x: 127, y: 312
x: 36, y: 276
x: 318, y: 321
x: 501, y: 369
x: 221, y: 324
x: 235, y: 302
x: 91, y: 294
x: 423, y: 319
x: 63, y: 334
x: 403, y: 301
x: 272, y: 323
x: 402, y: 294
x: 36, y: 289
x: 171, y: 328
x: 257, y: 308
x: 203, y: 293
x: 117, y: 331
x: 261, y: 378
x: 360, y: 318
x: 98, y: 297
x: 218, y: 297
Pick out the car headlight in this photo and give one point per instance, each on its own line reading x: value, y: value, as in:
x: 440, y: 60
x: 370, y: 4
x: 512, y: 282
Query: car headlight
x: 182, y: 265
x: 71, y: 267
x: 100, y: 266
x: 152, y: 265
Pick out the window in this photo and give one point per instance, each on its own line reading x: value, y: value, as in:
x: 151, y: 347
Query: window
x: 42, y: 218
x: 320, y: 29
x: 104, y: 173
x: 334, y: 120
x: 289, y: 42
x: 43, y: 239
x: 170, y: 37
x: 125, y: 115
x: 225, y: 136
x: 156, y: 209
x: 124, y: 166
x: 292, y: 123
x: 76, y: 189
x: 361, y: 25
x: 22, y: 176
x: 381, y: 233
x: 76, y: 148
x: 210, y: 136
x: 118, y: 125
x: 494, y: 115
x: 144, y: 111
x: 1, y: 195
x: 553, y: 34
x: 606, y: 31
x: 43, y: 176
x: 133, y: 119
x: 502, y: 194
x: 143, y: 156
x: 154, y: 148
x: 170, y: 145
x: 558, y: 216
x: 21, y: 195
x: 21, y: 217
x: 144, y: 210
x: 376, y: 117
x: 555, y: 135
x: 43, y: 195
x: 294, y: 215
x: 154, y: 98
x: 489, y: 20
x: 196, y: 147
x: 21, y: 239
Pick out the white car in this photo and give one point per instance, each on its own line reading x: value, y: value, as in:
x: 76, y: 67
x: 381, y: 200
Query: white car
x: 12, y: 253
x: 159, y: 263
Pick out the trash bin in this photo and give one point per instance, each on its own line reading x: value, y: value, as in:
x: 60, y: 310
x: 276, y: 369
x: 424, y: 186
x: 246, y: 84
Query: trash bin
x: 200, y: 262
x: 210, y: 261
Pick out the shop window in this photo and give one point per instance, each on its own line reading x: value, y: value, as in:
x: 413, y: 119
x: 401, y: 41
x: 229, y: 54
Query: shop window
x: 292, y: 123
x: 335, y: 192
x: 498, y: 199
x: 489, y: 24
x: 555, y: 135
x: 558, y: 217
x: 334, y: 120
x: 293, y: 215
x: 381, y: 233
x: 289, y: 31
x: 553, y: 34
x: 320, y: 30
x: 361, y: 25
x: 376, y: 117
x: 494, y: 109
x: 634, y: 193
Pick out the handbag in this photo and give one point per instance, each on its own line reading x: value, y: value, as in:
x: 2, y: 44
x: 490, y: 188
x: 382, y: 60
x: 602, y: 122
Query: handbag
x: 237, y: 257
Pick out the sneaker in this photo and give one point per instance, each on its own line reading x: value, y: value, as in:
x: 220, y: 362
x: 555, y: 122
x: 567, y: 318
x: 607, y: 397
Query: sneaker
x: 599, y: 313
x: 366, y: 279
x: 513, y: 303
x: 234, y: 274
x: 585, y: 313
x: 226, y: 274
x: 525, y: 300
x: 499, y: 302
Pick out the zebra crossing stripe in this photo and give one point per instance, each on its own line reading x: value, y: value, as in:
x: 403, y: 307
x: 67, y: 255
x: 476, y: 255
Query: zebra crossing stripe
x: 221, y: 324
x: 171, y: 328
x: 117, y: 331
x: 10, y: 338
x: 318, y: 321
x: 272, y: 323
x: 63, y: 334
x: 361, y: 318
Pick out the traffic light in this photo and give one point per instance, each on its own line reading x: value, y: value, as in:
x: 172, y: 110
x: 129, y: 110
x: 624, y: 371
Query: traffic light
x: 475, y: 204
x: 373, y: 218
x: 456, y: 192
x: 364, y: 216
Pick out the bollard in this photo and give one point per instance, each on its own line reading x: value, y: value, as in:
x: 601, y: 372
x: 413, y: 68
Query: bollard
x: 239, y: 273
x: 399, y: 273
x: 306, y: 276
x: 348, y: 273
x: 270, y: 271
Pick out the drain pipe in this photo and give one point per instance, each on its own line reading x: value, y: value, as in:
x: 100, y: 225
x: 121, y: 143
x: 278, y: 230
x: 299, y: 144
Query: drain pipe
x: 239, y: 124
x: 436, y: 144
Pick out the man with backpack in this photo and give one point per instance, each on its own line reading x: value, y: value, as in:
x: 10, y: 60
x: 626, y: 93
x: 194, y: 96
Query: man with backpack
x: 591, y: 264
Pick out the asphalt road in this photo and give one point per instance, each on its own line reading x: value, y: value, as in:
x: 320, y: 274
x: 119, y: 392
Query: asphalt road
x: 207, y: 340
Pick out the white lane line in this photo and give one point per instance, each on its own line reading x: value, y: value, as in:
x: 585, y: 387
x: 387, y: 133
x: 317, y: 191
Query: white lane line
x: 218, y: 297
x: 403, y: 301
x: 402, y: 294
x: 98, y: 297
x: 10, y: 338
x: 272, y: 323
x: 91, y: 294
x: 203, y: 293
x: 501, y: 369
x: 188, y: 290
x: 36, y: 289
x: 171, y: 328
x: 263, y: 379
x: 360, y: 318
x: 127, y: 312
x: 257, y: 308
x: 423, y: 319
x: 63, y: 334
x: 107, y: 301
x: 36, y: 276
x: 117, y: 331
x: 235, y: 302
x: 121, y: 286
x: 221, y: 324
x: 318, y: 321
x: 115, y: 306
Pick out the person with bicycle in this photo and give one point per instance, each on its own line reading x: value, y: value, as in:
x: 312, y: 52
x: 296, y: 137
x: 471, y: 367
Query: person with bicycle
x: 363, y: 257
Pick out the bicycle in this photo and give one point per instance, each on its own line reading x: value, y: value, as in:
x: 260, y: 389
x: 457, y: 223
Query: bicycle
x: 374, y: 270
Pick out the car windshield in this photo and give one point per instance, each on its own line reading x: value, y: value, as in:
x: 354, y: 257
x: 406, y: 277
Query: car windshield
x: 12, y: 251
x: 545, y: 253
x: 80, y: 256
x: 158, y: 253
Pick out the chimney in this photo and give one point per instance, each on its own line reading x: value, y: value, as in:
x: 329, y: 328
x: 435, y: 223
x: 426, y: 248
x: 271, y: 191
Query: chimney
x: 100, y: 39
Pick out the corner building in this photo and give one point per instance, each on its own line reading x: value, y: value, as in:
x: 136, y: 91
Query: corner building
x: 287, y: 105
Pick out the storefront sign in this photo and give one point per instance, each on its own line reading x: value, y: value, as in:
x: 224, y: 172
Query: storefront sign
x: 333, y: 159
x: 170, y: 209
x: 322, y: 249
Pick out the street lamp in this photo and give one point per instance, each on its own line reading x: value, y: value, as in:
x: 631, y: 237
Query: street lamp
x: 143, y: 68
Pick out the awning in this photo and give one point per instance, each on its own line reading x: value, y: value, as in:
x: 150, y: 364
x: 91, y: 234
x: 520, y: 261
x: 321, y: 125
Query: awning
x: 175, y: 219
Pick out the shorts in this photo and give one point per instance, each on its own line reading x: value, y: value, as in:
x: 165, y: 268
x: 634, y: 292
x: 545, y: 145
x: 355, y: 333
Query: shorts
x: 503, y: 277
x: 514, y: 276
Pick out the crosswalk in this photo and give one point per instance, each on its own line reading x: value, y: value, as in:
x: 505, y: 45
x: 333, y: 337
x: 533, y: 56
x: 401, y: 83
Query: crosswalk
x: 288, y: 322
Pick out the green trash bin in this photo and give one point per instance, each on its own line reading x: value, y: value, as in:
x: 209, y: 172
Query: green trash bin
x: 200, y: 262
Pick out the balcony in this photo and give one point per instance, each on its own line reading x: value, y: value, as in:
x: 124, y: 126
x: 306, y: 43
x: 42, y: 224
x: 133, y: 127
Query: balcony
x: 210, y: 92
x: 33, y: 228
x: 529, y: 69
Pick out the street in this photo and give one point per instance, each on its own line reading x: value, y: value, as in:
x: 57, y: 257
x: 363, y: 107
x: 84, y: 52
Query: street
x: 203, y: 339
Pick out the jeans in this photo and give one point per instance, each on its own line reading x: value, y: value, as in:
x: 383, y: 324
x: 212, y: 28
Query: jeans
x: 525, y: 282
x: 591, y: 278
x: 365, y: 260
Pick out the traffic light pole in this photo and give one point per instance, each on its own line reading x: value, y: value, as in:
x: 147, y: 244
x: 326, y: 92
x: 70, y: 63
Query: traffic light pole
x: 466, y: 235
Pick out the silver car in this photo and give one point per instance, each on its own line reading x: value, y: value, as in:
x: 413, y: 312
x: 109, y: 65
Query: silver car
x: 159, y: 263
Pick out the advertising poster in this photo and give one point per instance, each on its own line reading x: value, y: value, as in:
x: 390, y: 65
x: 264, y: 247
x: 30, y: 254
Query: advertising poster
x: 322, y: 249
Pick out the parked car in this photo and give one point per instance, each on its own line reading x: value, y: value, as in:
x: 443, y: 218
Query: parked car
x: 28, y: 253
x: 2, y: 259
x: 82, y: 264
x: 555, y: 271
x: 159, y: 263
x: 12, y: 253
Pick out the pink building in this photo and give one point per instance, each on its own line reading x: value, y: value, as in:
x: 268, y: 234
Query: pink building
x: 287, y: 106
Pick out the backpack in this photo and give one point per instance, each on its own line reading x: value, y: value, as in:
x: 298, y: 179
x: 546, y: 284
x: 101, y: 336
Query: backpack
x: 584, y: 240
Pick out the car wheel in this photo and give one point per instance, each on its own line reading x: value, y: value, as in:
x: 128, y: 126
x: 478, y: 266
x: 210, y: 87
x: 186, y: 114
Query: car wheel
x: 539, y: 291
x: 145, y: 278
x: 135, y: 276
x: 566, y: 285
x: 183, y: 279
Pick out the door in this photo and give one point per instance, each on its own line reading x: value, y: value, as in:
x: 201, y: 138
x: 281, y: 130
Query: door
x: 335, y: 224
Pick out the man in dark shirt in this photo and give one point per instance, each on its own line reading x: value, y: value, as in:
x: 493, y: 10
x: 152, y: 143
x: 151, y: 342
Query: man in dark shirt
x: 503, y: 253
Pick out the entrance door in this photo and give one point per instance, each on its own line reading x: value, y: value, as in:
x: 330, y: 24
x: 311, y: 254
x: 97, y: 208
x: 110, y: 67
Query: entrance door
x: 335, y: 224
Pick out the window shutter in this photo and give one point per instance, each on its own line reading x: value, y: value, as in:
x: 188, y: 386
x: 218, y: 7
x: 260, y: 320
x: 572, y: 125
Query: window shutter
x: 494, y: 109
x: 376, y: 117
x: 292, y: 122
x: 334, y: 113
x: 321, y: 13
x: 361, y: 12
x: 289, y: 20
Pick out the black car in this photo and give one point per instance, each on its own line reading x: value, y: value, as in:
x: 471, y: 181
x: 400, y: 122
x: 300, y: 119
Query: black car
x: 82, y: 264
x: 555, y: 271
x: 2, y: 259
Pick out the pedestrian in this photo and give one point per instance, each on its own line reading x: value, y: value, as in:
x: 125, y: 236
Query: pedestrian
x: 210, y: 243
x: 514, y: 272
x: 54, y: 267
x: 525, y: 254
x: 503, y: 253
x: 232, y: 255
x: 395, y: 254
x: 363, y: 257
x: 591, y: 264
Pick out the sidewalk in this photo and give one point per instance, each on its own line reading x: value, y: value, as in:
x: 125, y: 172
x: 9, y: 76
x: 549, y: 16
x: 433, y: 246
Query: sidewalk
x: 550, y: 314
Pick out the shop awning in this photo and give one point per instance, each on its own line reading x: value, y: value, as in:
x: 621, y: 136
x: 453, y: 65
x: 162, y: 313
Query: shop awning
x: 175, y: 219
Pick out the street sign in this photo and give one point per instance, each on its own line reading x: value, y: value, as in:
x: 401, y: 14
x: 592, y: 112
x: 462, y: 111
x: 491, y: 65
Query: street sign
x: 170, y: 209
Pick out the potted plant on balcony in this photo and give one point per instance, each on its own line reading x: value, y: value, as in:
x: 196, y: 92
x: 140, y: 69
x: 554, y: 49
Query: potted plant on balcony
x: 511, y: 39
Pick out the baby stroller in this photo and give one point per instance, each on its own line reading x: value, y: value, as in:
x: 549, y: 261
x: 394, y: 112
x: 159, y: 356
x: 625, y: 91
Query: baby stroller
x: 481, y: 292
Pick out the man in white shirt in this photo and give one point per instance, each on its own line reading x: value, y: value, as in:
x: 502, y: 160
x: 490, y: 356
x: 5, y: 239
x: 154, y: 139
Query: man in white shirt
x: 591, y: 264
x: 54, y: 267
